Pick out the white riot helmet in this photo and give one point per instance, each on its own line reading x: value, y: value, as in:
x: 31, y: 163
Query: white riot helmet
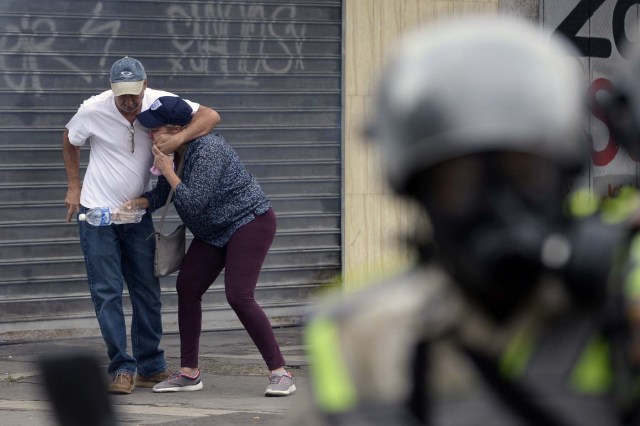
x: 478, y: 85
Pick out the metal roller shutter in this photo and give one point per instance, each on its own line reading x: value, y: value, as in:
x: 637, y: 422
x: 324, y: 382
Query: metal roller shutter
x: 271, y: 68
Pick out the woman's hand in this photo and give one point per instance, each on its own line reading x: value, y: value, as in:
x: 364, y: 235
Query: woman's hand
x: 135, y: 204
x: 162, y: 161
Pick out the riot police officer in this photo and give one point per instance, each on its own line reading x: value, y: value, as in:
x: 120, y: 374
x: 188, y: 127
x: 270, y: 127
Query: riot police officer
x: 510, y: 317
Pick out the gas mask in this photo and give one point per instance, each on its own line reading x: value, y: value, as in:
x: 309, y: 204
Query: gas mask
x: 499, y: 226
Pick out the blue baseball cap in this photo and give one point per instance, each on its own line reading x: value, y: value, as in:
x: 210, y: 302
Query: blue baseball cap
x: 166, y: 110
x: 127, y: 77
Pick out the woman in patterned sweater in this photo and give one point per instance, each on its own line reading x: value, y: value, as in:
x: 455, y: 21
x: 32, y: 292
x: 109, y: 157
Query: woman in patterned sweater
x: 233, y: 225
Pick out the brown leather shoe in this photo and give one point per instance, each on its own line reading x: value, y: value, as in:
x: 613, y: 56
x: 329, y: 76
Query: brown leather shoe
x: 149, y: 382
x: 122, y: 384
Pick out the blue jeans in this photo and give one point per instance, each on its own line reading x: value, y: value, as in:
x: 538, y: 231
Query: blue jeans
x: 113, y: 255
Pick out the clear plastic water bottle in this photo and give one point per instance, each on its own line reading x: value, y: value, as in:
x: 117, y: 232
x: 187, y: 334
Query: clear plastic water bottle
x: 104, y: 216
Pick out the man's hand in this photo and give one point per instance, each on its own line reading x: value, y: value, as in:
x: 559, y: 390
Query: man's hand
x: 169, y: 143
x: 72, y: 202
x: 202, y: 122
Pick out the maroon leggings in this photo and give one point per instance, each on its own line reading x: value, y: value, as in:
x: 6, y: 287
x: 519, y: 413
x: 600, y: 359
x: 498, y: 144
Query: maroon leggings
x: 242, y: 259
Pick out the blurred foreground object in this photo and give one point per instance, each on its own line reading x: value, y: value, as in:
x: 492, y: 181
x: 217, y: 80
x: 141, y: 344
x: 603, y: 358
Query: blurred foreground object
x: 511, y: 317
x: 621, y: 108
x: 77, y: 389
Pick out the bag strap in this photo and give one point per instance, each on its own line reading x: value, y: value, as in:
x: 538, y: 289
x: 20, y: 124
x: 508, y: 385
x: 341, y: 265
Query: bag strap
x: 166, y: 205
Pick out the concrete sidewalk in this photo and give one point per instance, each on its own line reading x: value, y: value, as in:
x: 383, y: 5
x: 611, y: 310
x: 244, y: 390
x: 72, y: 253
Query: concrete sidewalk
x: 234, y: 377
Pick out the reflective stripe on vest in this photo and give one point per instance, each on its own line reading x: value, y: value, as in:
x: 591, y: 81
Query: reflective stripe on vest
x: 515, y: 358
x: 592, y: 373
x: 620, y: 208
x: 333, y: 390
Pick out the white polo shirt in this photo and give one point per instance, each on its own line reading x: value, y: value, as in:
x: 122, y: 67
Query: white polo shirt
x: 114, y: 174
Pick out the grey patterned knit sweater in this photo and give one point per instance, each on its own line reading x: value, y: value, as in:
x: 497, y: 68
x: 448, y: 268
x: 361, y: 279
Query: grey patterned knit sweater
x: 217, y: 194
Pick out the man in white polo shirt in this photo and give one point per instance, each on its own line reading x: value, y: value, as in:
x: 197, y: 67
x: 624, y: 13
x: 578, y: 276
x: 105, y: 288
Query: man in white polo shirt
x: 118, y: 170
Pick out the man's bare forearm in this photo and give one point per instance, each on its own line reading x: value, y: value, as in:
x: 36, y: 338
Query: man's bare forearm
x: 202, y: 123
x: 71, y: 156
